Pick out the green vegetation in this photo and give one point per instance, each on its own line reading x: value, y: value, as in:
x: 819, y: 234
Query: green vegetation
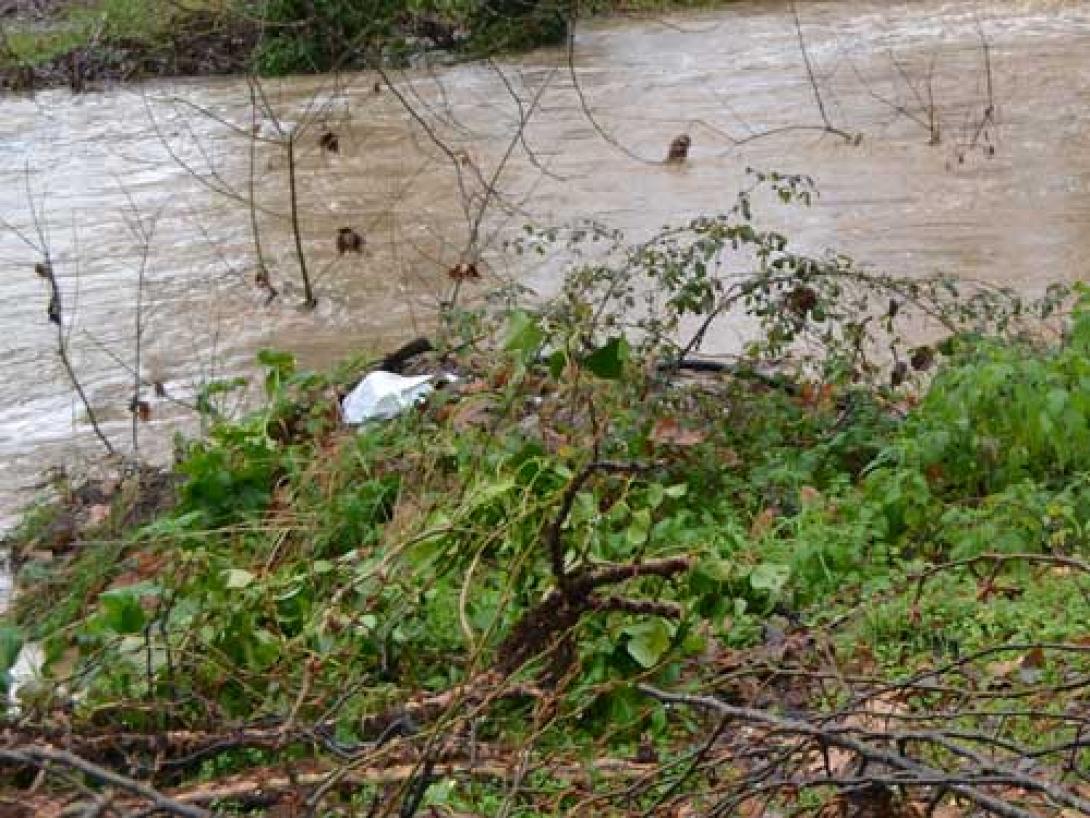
x: 124, y: 39
x: 493, y: 576
x: 104, y: 22
x: 118, y: 39
x: 333, y: 34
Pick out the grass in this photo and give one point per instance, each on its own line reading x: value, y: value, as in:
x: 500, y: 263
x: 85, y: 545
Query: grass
x: 101, y: 22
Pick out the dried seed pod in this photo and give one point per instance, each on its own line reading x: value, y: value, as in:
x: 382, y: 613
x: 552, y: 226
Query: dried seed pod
x: 43, y: 269
x: 679, y: 149
x: 329, y: 141
x: 801, y: 300
x: 464, y: 271
x: 645, y: 752
x: 349, y: 241
x: 140, y: 408
x: 899, y: 374
x: 922, y: 358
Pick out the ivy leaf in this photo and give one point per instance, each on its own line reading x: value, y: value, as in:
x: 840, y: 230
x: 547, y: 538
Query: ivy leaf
x: 770, y: 577
x: 648, y: 641
x: 608, y: 360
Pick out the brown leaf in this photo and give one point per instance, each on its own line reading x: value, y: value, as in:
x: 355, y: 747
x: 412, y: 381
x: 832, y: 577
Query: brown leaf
x: 471, y: 413
x: 1034, y: 659
x: 817, y: 395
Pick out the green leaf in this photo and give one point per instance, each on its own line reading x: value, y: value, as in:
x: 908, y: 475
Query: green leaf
x: 11, y: 644
x: 639, y: 527
x: 558, y: 361
x: 484, y: 493
x: 714, y: 569
x: 770, y: 577
x: 608, y: 360
x: 648, y: 641
x: 524, y: 334
x: 677, y: 490
x: 122, y: 612
x: 655, y: 495
x: 279, y: 367
x: 173, y: 526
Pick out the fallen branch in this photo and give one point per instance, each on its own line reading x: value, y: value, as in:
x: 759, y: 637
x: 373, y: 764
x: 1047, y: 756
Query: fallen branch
x: 42, y: 757
x: 863, y: 746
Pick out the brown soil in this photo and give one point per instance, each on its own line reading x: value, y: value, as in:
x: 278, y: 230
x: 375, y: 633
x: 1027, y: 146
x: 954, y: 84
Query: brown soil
x: 99, y: 507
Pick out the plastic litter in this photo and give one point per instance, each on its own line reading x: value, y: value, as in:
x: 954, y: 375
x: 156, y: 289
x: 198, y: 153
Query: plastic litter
x: 384, y: 395
x: 25, y: 672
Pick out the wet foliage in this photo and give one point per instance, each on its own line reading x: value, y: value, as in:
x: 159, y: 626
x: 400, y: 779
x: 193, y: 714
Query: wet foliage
x: 599, y: 574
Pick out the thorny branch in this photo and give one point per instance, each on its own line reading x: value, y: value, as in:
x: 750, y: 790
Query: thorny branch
x: 872, y: 747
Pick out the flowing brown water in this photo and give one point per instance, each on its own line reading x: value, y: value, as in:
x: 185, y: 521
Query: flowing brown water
x: 1008, y: 204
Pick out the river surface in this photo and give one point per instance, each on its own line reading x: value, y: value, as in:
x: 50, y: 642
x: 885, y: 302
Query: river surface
x: 1004, y: 195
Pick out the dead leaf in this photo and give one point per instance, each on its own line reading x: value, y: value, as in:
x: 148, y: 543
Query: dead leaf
x: 471, y: 413
x: 1034, y: 659
x: 816, y: 395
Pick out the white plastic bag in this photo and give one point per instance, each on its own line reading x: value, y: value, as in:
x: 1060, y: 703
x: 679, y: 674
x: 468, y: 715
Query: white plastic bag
x: 384, y: 395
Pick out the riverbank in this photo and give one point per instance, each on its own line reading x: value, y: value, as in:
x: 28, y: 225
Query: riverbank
x: 588, y: 577
x: 85, y: 45
x: 89, y: 44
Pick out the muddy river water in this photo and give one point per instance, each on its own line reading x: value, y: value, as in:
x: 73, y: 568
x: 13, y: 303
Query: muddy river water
x: 974, y: 159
